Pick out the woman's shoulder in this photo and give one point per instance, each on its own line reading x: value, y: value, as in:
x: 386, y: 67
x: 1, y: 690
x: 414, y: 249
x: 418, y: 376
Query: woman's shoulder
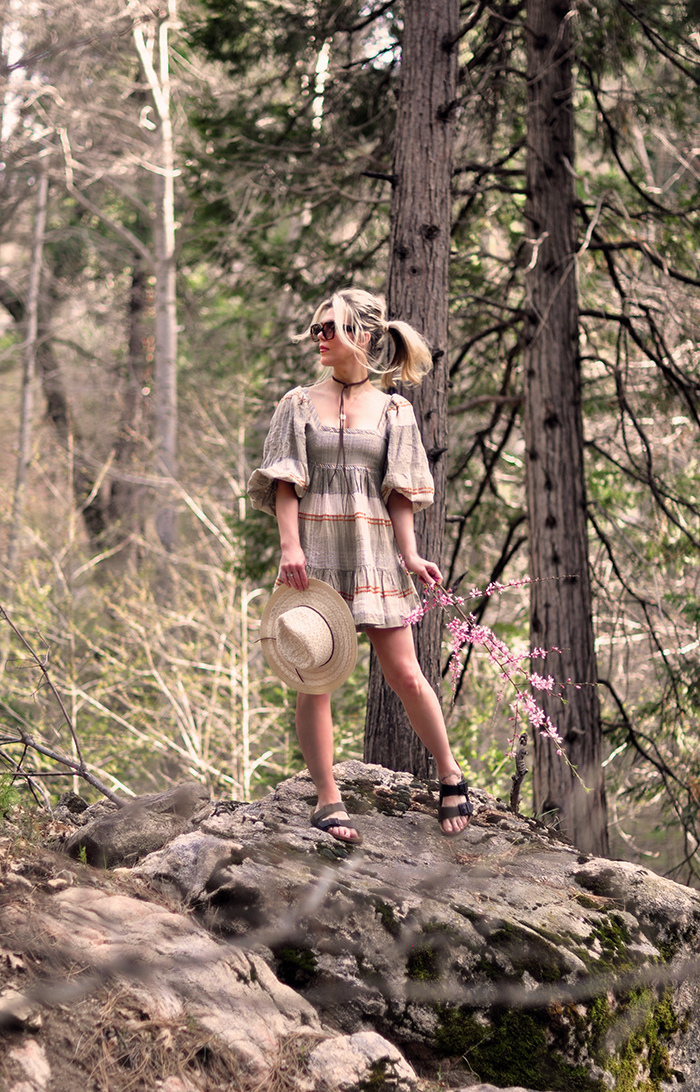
x: 399, y: 405
x: 295, y: 399
x: 297, y: 394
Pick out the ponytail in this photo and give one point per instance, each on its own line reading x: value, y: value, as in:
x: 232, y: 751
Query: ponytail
x: 412, y: 358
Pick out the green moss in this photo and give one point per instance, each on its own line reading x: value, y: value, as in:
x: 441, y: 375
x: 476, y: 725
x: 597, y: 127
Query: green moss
x: 422, y: 965
x: 296, y: 967
x: 376, y: 1079
x: 615, y: 939
x: 674, y: 939
x: 334, y: 851
x: 490, y: 969
x: 362, y: 797
x: 471, y: 915
x: 436, y: 926
x: 587, y: 903
x: 511, y: 1050
x: 601, y: 1017
x: 667, y: 948
x: 388, y: 917
x: 642, y: 1062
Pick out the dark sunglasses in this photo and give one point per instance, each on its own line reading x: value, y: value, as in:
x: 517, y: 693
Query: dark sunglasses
x: 326, y: 330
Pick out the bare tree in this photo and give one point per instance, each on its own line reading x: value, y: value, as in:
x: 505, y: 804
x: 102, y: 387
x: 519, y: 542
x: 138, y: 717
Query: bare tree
x: 152, y: 48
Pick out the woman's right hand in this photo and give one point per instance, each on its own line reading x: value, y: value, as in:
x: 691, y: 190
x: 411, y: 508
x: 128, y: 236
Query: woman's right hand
x: 293, y: 568
x: 293, y: 562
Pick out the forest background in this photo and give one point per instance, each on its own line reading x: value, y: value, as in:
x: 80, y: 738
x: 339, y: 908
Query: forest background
x: 179, y: 187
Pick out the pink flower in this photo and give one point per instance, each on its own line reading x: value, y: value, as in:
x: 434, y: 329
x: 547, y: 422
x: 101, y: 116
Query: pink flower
x: 541, y: 682
x: 510, y: 666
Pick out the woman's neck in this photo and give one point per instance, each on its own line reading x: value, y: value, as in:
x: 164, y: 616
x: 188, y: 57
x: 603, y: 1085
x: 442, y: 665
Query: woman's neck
x: 351, y: 375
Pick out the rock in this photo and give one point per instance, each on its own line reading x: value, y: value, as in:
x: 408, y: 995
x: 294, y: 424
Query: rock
x: 352, y: 1063
x: 492, y: 1088
x: 172, y: 964
x: 72, y: 802
x: 544, y: 967
x: 18, y: 1011
x: 175, y: 1084
x: 29, y: 1060
x: 123, y: 836
x: 192, y: 863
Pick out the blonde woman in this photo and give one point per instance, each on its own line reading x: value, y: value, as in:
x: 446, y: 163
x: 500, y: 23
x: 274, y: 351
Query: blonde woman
x: 343, y: 471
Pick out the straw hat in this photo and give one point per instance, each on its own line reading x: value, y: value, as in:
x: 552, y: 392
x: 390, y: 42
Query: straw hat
x: 308, y: 637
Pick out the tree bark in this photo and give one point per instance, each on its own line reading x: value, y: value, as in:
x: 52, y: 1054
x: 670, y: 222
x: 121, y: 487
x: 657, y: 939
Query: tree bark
x: 57, y: 406
x: 165, y: 359
x: 560, y: 605
x: 24, y: 454
x: 126, y: 507
x: 417, y: 292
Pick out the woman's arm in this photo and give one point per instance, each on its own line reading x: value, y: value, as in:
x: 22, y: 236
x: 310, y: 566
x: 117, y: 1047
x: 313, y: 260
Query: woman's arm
x: 293, y: 562
x: 401, y: 515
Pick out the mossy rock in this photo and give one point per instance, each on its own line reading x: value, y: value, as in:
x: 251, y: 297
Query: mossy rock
x: 295, y: 967
x: 646, y: 1024
x: 512, y: 1049
x: 387, y: 917
x: 423, y: 964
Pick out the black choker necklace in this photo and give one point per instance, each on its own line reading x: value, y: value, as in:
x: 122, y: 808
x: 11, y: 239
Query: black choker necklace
x: 341, y: 415
x: 342, y: 395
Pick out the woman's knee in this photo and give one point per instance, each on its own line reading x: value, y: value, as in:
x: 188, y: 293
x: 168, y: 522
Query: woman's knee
x: 406, y: 680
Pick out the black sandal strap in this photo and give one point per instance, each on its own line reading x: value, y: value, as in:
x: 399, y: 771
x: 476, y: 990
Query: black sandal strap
x: 460, y: 789
x: 326, y: 824
x: 454, y: 811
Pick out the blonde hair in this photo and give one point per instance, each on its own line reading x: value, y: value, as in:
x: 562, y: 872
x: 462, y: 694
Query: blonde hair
x: 365, y: 313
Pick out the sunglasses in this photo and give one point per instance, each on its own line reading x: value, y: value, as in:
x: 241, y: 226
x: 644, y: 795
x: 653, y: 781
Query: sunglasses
x: 326, y: 330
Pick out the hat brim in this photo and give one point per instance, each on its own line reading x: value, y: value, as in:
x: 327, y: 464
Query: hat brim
x: 327, y: 601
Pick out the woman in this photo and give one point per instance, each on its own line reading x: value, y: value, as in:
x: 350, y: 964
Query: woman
x: 343, y: 471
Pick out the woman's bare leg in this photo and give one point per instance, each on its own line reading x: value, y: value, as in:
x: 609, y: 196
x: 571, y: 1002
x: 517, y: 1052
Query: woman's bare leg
x: 397, y: 657
x: 315, y: 731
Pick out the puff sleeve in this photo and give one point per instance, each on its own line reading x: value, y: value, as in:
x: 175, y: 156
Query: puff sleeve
x: 284, y: 454
x: 407, y: 468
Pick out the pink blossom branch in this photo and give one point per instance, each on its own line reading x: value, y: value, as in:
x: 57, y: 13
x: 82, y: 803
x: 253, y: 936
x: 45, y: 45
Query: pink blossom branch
x: 465, y: 630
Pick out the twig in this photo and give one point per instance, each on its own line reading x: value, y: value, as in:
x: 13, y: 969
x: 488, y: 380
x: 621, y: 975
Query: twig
x: 78, y: 764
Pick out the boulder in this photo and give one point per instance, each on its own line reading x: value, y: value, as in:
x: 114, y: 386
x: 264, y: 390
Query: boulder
x: 352, y: 1063
x: 541, y: 966
x: 170, y: 962
x: 124, y: 835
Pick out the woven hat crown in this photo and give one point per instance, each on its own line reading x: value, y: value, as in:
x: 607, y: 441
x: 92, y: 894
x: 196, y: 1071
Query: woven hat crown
x: 304, y: 638
x: 308, y: 637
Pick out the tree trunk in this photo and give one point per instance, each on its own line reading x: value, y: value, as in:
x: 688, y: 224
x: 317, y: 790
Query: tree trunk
x: 126, y: 508
x: 560, y: 606
x: 24, y: 454
x: 165, y: 358
x: 417, y: 292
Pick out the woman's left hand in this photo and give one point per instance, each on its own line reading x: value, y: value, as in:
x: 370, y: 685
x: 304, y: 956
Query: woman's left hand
x: 426, y: 571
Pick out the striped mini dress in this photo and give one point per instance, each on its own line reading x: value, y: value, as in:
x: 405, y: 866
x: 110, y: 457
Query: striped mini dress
x: 344, y: 525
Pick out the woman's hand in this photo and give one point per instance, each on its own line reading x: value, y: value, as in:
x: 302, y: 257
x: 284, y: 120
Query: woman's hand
x: 426, y: 571
x: 293, y: 568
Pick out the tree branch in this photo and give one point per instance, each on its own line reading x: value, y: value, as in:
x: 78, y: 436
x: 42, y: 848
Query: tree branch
x: 78, y: 764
